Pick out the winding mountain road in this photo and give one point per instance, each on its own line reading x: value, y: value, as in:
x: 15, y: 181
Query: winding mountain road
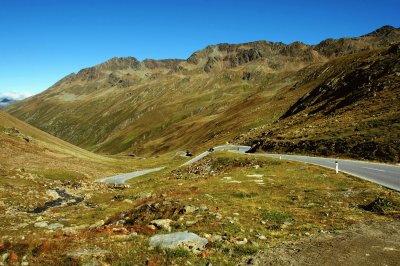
x: 240, y: 149
x: 120, y: 179
x: 379, y: 173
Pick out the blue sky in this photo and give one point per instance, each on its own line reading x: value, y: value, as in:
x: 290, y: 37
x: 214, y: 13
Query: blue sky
x: 44, y: 40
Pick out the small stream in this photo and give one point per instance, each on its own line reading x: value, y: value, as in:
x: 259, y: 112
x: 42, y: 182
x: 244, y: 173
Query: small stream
x: 64, y: 197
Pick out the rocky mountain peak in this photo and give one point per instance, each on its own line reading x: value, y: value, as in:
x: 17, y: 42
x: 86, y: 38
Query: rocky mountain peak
x: 119, y: 63
x: 163, y: 63
x: 383, y: 31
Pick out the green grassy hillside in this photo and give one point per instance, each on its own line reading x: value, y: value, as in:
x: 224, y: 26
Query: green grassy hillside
x: 351, y: 110
x: 155, y: 106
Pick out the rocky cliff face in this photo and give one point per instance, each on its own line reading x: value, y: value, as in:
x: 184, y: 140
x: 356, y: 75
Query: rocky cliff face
x: 276, y: 54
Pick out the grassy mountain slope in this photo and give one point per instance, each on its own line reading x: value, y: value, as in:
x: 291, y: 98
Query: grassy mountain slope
x: 352, y: 109
x: 25, y: 148
x: 154, y: 106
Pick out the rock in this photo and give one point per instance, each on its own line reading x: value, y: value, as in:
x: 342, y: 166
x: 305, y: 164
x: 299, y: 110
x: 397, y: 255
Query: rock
x: 143, y: 195
x: 128, y: 201
x: 241, y: 242
x: 190, y: 223
x: 152, y: 227
x: 74, y: 229
x: 185, y: 240
x: 5, y: 256
x: 208, y: 196
x: 84, y: 253
x: 120, y: 222
x: 255, y: 175
x: 55, y: 226
x: 120, y: 230
x: 216, y: 238
x: 97, y: 224
x: 286, y: 225
x: 218, y: 216
x: 189, y: 209
x: 23, y: 225
x: 41, y: 224
x: 203, y: 207
x: 262, y: 237
x: 52, y: 194
x: 162, y: 224
x: 133, y: 234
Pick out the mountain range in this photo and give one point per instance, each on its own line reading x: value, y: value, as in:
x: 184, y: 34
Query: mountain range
x: 336, y: 97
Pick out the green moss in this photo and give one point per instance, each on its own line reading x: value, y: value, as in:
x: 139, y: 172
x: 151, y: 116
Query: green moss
x: 275, y: 216
x: 177, y: 253
x: 245, y: 250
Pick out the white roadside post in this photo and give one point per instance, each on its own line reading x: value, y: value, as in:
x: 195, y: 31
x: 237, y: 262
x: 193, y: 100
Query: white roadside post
x: 280, y: 157
x: 337, y: 167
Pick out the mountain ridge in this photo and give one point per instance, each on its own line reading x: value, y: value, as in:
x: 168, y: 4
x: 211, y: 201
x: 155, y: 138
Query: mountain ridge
x: 326, y: 48
x: 153, y: 106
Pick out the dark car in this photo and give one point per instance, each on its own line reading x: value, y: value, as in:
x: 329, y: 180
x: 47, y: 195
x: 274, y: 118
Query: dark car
x: 211, y: 149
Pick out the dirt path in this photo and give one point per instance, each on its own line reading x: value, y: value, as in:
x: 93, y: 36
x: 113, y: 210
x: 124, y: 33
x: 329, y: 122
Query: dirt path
x: 362, y: 244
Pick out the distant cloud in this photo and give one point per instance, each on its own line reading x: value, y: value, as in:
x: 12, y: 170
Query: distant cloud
x: 17, y: 96
x: 9, y: 97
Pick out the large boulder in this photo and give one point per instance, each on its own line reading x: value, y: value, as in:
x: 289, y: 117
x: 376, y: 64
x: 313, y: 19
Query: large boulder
x: 185, y: 240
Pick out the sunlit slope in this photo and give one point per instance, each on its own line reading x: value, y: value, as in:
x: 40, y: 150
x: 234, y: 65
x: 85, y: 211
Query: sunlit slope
x: 351, y: 109
x: 44, y: 139
x: 155, y: 106
x: 27, y: 149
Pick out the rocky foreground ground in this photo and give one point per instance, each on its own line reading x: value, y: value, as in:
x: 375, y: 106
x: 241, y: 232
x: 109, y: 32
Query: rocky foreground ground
x: 227, y: 209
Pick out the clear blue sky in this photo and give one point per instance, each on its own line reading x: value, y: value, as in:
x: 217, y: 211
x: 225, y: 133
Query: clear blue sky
x: 44, y: 40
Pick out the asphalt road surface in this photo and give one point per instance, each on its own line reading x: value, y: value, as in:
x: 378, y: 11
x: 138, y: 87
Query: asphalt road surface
x: 383, y: 174
x: 241, y: 149
x: 120, y: 179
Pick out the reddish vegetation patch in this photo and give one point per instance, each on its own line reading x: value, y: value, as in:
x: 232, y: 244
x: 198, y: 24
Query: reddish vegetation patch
x: 141, y: 229
x: 151, y: 262
x: 13, y: 257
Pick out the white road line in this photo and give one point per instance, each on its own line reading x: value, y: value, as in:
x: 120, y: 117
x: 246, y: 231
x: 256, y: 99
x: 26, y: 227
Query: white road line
x: 379, y: 170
